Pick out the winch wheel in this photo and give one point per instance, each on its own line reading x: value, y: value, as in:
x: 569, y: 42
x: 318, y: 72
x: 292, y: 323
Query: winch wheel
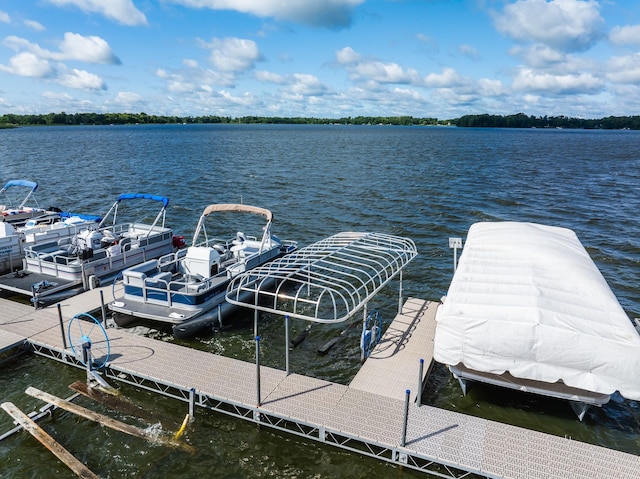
x: 86, y: 333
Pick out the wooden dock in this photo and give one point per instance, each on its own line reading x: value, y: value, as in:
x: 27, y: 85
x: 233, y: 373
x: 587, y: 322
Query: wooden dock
x: 366, y: 417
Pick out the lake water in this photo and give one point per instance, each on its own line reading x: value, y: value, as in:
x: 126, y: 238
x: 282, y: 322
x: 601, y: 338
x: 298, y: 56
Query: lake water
x: 428, y: 184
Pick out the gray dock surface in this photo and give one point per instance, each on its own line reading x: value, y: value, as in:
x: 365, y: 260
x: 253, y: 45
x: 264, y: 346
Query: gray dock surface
x: 363, y: 417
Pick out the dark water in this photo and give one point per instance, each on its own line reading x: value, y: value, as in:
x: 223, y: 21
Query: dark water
x: 424, y: 183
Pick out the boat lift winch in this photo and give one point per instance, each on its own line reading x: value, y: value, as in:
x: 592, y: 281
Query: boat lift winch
x: 89, y: 342
x: 326, y: 282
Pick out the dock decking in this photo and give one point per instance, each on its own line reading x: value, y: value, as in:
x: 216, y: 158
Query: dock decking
x: 362, y: 417
x: 394, y: 364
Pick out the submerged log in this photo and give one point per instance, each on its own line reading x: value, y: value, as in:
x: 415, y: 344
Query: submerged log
x: 104, y: 420
x: 47, y: 441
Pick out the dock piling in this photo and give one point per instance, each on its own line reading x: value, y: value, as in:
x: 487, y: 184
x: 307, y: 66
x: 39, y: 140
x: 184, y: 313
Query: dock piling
x: 103, y: 309
x: 403, y: 442
x: 420, y: 371
x: 64, y: 338
x: 192, y: 401
x: 259, y: 401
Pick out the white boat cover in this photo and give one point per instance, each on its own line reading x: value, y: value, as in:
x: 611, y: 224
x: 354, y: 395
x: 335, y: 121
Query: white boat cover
x: 527, y: 299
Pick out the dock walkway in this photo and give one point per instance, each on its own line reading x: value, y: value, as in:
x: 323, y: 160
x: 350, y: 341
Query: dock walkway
x: 444, y: 443
x: 394, y: 364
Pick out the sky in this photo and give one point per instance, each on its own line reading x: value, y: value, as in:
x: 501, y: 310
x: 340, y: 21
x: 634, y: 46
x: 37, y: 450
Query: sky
x: 321, y: 58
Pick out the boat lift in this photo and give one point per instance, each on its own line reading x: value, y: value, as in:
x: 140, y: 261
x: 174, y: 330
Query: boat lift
x: 326, y: 282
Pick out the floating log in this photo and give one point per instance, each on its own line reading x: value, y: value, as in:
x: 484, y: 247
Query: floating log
x: 47, y: 441
x: 119, y: 403
x: 300, y: 337
x: 332, y: 342
x: 104, y: 420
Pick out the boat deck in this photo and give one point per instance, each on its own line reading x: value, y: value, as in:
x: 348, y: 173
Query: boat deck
x: 368, y: 422
x: 22, y: 281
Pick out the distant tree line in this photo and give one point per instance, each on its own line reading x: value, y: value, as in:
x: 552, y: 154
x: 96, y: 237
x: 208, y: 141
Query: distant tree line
x: 519, y: 120
x: 142, y: 118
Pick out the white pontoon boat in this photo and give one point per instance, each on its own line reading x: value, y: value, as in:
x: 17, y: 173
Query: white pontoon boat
x: 181, y: 288
x: 19, y: 214
x: 528, y: 309
x: 93, y: 254
x: 13, y: 239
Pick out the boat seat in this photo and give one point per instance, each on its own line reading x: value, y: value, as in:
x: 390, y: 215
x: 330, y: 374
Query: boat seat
x: 134, y: 278
x: 162, y: 276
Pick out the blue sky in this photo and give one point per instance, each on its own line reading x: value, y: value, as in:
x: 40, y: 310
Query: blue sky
x: 321, y: 58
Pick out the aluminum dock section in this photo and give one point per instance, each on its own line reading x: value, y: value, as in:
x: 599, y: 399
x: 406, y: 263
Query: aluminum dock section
x: 440, y: 442
x: 394, y: 364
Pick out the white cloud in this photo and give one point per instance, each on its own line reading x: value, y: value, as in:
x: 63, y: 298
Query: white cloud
x: 29, y: 65
x: 624, y: 69
x: 234, y: 54
x: 34, y: 61
x: 89, y: 49
x: 347, y: 55
x: 127, y: 97
x: 121, y: 11
x: 469, y: 52
x: 447, y: 79
x: 127, y: 101
x: 270, y: 77
x: 194, y: 78
x: 37, y: 26
x: 308, y: 85
x: 81, y: 80
x: 539, y: 56
x: 76, y: 47
x: 327, y: 13
x: 372, y: 70
x: 4, y: 17
x: 530, y: 80
x: 628, y: 34
x: 50, y: 95
x: 566, y: 25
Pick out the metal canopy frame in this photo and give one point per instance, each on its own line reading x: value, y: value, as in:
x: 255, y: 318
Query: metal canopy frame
x: 326, y: 282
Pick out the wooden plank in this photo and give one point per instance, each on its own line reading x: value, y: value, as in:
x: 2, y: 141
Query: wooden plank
x: 47, y: 441
x: 102, y: 419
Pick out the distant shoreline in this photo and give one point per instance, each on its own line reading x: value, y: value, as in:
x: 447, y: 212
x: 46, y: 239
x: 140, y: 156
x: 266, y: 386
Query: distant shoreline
x: 519, y: 120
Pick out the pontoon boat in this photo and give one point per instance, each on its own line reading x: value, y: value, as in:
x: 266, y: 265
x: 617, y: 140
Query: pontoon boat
x: 13, y: 239
x: 19, y: 214
x: 93, y: 254
x: 181, y: 288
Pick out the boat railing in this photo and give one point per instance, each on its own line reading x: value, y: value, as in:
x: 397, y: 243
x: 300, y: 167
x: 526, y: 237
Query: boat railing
x: 226, y: 243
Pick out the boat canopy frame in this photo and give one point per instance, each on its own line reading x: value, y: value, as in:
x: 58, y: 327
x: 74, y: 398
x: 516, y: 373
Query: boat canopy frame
x: 27, y: 184
x: 113, y: 211
x: 328, y: 281
x: 201, y: 228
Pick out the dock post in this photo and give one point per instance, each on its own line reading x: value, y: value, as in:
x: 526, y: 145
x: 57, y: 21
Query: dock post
x: 406, y: 418
x: 455, y: 244
x: 259, y: 402
x: 34, y: 296
x: 286, y: 342
x: 104, y: 311
x: 400, y: 295
x: 86, y: 356
x: 64, y: 338
x: 192, y: 401
x: 419, y: 395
